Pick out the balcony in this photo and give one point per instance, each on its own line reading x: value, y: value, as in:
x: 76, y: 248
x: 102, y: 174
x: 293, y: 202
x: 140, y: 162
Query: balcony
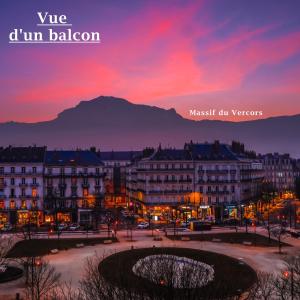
x: 34, y: 185
x: 217, y: 192
x: 85, y: 185
x: 23, y: 185
x: 185, y: 180
x: 222, y: 172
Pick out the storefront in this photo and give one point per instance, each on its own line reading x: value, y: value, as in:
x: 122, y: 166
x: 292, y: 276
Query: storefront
x: 61, y: 217
x: 26, y: 216
x: 3, y: 219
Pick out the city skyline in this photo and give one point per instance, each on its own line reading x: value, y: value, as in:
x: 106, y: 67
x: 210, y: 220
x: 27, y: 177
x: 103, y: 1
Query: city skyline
x: 200, y: 55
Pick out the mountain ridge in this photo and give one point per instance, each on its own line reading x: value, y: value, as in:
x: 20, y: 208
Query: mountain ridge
x: 115, y: 123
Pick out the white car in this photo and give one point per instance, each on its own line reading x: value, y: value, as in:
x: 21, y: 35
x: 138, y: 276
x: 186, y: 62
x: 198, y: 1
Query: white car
x: 143, y: 225
x: 74, y: 227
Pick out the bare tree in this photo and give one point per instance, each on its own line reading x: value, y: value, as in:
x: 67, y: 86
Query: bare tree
x: 42, y: 280
x: 279, y: 233
x: 6, y: 242
x: 263, y: 289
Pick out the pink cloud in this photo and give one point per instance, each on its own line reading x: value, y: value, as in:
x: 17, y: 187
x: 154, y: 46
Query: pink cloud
x: 155, y: 55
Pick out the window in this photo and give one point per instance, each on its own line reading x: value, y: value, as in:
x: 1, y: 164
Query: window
x: 34, y: 180
x: 23, y: 193
x: 12, y: 193
x: 23, y: 170
x: 34, y: 193
x: 85, y: 192
x: 12, y: 204
x: 62, y: 171
x: 12, y: 181
x: 74, y: 191
x: 34, y: 170
x: 23, y: 204
x: 62, y: 192
x: 23, y: 181
x: 12, y: 170
x: 73, y: 171
x: 97, y: 170
x: 49, y: 171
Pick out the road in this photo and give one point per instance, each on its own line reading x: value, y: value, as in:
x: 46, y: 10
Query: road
x: 71, y: 263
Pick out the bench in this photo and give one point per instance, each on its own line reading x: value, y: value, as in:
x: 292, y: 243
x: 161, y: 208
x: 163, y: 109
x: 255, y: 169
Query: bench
x: 107, y: 241
x: 185, y: 238
x: 54, y: 251
x: 247, y: 243
x: 216, y: 240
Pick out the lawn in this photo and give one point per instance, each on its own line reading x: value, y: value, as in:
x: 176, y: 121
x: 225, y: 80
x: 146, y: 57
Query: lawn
x: 231, y: 277
x: 11, y: 273
x: 40, y: 247
x: 232, y: 237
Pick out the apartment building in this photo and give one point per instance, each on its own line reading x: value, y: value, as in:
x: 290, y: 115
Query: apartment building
x: 279, y: 170
x: 74, y: 187
x: 115, y: 167
x: 21, y: 185
x: 200, y: 180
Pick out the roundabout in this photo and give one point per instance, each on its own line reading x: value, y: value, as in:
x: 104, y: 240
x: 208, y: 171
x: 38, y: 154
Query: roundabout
x: 176, y: 273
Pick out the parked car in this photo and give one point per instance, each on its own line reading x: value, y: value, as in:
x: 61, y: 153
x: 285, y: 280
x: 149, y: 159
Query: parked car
x: 62, y: 226
x: 74, y: 227
x: 143, y: 225
x: 6, y: 227
x: 185, y: 224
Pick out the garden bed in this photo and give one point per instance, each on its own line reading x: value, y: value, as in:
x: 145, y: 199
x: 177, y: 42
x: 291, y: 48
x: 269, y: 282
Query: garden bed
x: 231, y: 276
x: 249, y: 239
x: 11, y: 273
x: 40, y: 247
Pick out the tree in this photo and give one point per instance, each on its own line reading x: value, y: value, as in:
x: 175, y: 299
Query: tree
x: 6, y: 242
x: 278, y: 232
x: 263, y: 289
x: 267, y: 194
x: 42, y: 279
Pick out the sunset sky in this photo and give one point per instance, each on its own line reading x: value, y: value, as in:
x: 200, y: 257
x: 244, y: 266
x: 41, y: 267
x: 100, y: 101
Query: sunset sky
x: 229, y: 54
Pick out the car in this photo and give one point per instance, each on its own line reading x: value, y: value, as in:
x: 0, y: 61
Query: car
x: 192, y: 220
x: 74, y: 227
x: 6, y: 227
x: 62, y: 227
x: 185, y: 224
x: 143, y: 225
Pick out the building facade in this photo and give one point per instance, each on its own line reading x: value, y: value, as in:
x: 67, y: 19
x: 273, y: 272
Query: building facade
x: 21, y: 185
x: 200, y: 180
x: 279, y: 171
x: 74, y: 187
x: 115, y: 167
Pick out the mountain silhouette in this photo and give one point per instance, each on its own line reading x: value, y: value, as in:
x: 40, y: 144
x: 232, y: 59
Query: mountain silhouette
x: 113, y: 123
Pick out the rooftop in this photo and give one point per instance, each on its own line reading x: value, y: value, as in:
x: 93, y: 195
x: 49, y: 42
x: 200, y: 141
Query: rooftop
x: 22, y: 154
x: 66, y: 158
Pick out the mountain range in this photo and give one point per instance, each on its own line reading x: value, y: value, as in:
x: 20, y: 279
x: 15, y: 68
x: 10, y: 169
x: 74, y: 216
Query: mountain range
x: 114, y: 123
